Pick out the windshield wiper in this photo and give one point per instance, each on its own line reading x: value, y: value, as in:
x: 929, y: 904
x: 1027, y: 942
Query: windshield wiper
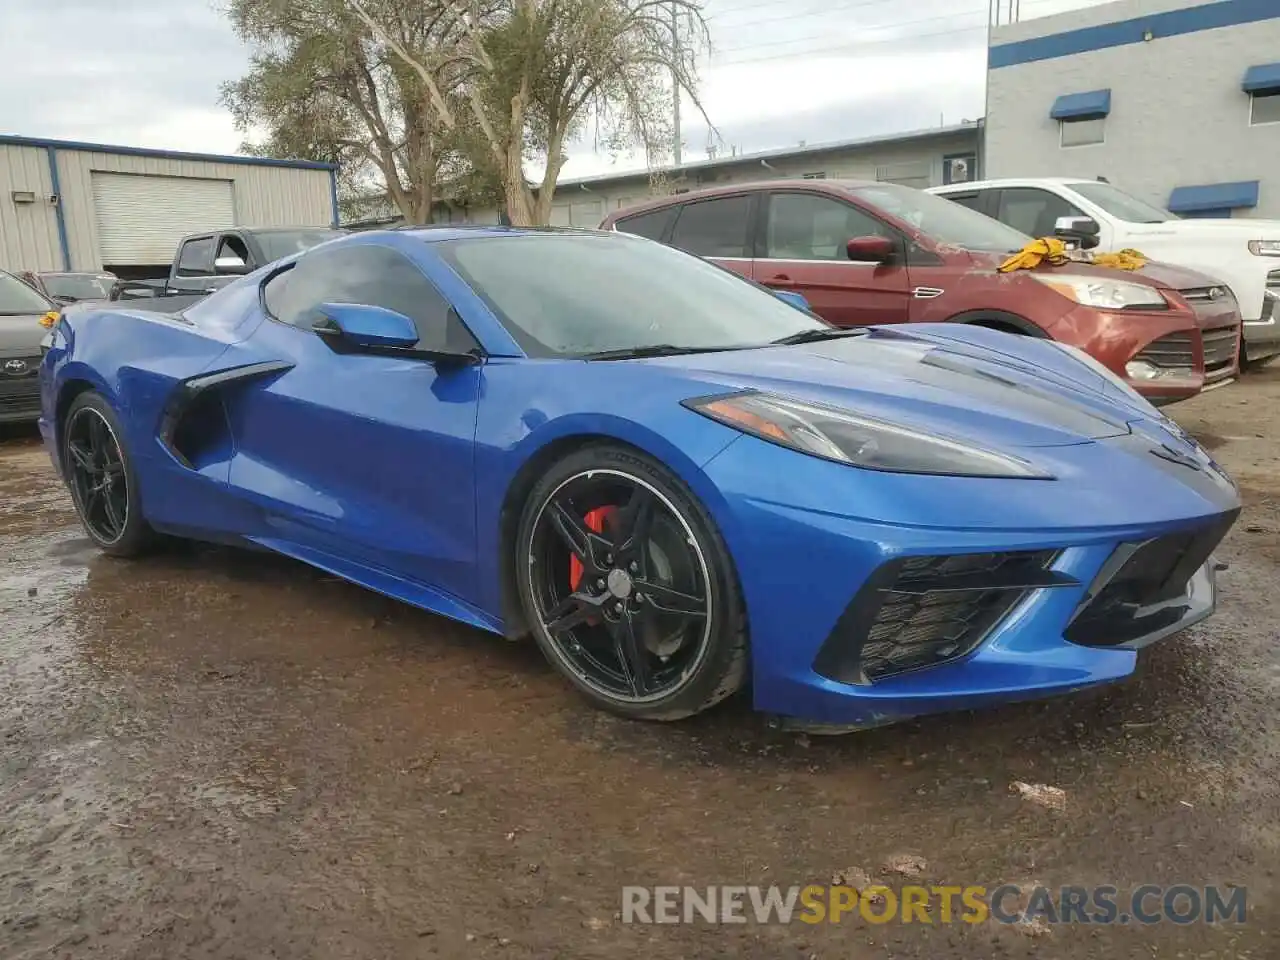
x: 648, y: 350
x: 822, y: 333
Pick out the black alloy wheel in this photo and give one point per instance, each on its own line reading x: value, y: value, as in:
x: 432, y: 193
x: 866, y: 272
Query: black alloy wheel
x: 628, y: 587
x: 101, y: 478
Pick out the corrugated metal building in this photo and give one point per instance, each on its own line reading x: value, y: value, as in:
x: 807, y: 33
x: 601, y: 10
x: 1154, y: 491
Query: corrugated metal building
x: 1176, y: 101
x: 84, y: 206
x: 919, y: 158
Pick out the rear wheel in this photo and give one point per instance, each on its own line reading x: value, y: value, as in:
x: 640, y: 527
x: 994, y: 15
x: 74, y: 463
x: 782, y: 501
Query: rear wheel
x: 629, y: 588
x: 101, y: 478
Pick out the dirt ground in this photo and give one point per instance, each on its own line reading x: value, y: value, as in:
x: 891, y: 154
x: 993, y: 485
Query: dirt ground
x: 217, y: 754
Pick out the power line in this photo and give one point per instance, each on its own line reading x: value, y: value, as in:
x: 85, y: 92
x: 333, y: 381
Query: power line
x: 857, y: 4
x: 837, y: 9
x: 849, y: 47
x: 826, y: 35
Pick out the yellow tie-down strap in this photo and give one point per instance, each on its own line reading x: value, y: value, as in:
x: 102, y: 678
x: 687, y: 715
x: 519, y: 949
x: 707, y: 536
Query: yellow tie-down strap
x: 1053, y: 251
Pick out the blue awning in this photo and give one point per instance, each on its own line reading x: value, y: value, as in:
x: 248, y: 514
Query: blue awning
x: 1264, y: 78
x: 1082, y: 106
x: 1214, y: 196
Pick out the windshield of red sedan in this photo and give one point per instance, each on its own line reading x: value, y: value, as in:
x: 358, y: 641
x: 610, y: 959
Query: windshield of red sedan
x: 563, y: 294
x: 19, y: 299
x: 943, y: 221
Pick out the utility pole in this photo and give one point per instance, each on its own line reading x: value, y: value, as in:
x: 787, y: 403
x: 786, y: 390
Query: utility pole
x: 675, y: 80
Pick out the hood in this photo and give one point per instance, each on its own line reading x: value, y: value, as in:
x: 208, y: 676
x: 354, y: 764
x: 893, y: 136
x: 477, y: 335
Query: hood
x: 1156, y: 273
x: 20, y: 335
x: 1030, y: 393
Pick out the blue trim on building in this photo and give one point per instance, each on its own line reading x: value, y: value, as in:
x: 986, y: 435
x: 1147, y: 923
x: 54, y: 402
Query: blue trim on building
x: 1213, y: 213
x: 1214, y: 196
x: 16, y: 141
x: 58, y: 217
x: 1262, y: 79
x: 1090, y: 105
x: 333, y: 195
x: 1173, y: 23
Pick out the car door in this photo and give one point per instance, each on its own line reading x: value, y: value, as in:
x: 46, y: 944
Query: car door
x: 193, y: 272
x: 356, y: 455
x: 719, y: 229
x: 802, y: 248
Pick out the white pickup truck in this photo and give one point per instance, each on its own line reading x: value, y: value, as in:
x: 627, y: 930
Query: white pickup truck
x: 1244, y: 254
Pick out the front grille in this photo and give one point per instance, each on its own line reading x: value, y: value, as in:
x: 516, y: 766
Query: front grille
x: 1138, y: 589
x: 1220, y: 348
x: 924, y: 611
x: 1171, y: 350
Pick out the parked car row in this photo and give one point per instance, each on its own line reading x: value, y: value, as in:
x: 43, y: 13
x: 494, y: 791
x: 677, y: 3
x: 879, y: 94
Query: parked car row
x: 871, y: 253
x: 202, y: 263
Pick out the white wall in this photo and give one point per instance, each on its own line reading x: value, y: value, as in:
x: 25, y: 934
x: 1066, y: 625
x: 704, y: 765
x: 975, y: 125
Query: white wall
x: 1178, y: 116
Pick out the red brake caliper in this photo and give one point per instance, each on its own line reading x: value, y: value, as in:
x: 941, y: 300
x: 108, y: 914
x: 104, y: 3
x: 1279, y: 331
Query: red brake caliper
x: 595, y: 522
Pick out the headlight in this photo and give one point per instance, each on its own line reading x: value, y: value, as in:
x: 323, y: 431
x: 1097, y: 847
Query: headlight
x: 1103, y: 293
x: 1265, y: 248
x: 835, y: 434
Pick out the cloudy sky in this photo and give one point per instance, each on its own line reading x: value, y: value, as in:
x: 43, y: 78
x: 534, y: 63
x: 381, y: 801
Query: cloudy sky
x: 146, y: 72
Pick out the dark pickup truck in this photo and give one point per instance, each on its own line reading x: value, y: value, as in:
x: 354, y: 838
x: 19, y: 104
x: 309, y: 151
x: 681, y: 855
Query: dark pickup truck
x: 206, y: 261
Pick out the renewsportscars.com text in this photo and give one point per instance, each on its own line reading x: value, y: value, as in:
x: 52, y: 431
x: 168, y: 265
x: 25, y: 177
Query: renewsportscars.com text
x: 938, y: 904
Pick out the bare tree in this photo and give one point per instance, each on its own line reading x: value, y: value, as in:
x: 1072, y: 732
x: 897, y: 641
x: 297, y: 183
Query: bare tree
x: 323, y: 86
x: 527, y: 76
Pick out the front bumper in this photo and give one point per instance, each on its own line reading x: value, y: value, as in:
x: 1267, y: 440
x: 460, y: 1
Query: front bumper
x: 819, y: 549
x: 1170, y: 341
x: 20, y: 395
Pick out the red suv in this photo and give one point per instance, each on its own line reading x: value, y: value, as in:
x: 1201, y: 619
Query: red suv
x: 866, y: 253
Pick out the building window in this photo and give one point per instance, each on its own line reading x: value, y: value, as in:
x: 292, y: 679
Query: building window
x: 1082, y: 133
x: 814, y: 176
x: 959, y: 168
x: 1264, y: 108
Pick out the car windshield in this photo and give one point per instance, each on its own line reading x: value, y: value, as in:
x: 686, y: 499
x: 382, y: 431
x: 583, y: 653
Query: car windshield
x: 941, y: 220
x: 277, y: 244
x: 1121, y: 205
x: 575, y: 294
x: 18, y: 298
x: 77, y: 286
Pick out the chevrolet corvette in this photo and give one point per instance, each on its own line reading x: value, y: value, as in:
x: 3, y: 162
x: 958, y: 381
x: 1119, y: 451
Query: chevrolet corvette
x: 678, y: 483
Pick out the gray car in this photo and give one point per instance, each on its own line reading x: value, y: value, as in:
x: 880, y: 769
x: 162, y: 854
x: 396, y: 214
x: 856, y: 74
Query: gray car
x: 21, y: 309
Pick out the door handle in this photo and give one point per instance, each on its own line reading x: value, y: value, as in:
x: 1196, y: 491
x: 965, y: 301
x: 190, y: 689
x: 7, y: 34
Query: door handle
x: 781, y: 280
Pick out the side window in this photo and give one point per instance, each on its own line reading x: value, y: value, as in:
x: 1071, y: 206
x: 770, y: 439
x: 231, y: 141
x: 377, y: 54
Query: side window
x: 1033, y: 211
x: 972, y: 200
x: 805, y: 226
x: 371, y: 275
x: 714, y: 228
x: 652, y: 226
x: 196, y: 259
x: 273, y: 293
x: 232, y: 246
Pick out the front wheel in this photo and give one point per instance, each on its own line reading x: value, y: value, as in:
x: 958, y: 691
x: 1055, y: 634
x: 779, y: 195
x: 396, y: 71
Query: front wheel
x: 100, y: 475
x: 629, y: 588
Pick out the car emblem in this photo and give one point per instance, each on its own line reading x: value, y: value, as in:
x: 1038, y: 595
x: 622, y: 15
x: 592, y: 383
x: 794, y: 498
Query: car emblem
x: 1216, y: 293
x: 15, y: 367
x: 1166, y: 452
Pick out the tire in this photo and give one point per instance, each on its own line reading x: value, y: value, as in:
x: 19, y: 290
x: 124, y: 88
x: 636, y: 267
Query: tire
x: 113, y: 534
x: 619, y: 645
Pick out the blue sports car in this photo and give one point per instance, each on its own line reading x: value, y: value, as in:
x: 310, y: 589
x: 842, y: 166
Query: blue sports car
x: 677, y: 482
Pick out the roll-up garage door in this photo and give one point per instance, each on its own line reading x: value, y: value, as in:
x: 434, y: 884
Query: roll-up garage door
x: 142, y: 218
x: 587, y: 213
